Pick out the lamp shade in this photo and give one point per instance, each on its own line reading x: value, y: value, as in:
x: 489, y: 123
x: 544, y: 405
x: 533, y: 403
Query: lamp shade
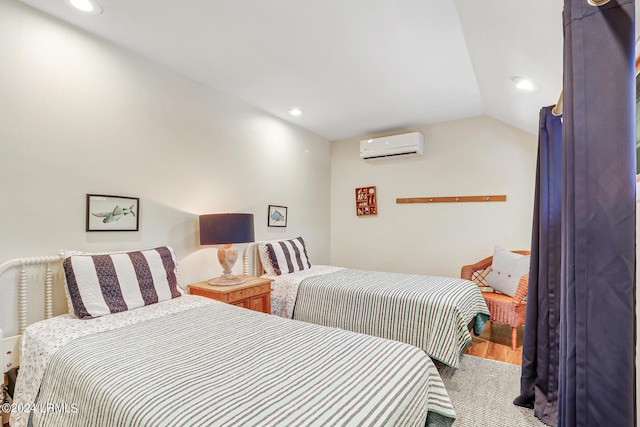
x: 223, y: 229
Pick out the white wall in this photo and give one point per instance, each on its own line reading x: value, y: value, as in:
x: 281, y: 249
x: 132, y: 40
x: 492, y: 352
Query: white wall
x: 80, y: 115
x: 475, y: 156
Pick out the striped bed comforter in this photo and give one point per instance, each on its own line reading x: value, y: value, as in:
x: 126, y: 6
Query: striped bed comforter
x: 220, y: 365
x: 432, y: 313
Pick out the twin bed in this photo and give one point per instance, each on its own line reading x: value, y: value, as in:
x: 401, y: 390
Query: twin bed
x: 431, y: 313
x: 135, y: 351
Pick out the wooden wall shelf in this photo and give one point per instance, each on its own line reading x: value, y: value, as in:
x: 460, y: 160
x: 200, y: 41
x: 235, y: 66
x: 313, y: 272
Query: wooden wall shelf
x: 454, y: 199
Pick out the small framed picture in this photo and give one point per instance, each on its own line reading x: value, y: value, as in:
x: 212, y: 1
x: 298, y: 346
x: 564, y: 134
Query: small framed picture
x: 112, y: 213
x: 277, y: 216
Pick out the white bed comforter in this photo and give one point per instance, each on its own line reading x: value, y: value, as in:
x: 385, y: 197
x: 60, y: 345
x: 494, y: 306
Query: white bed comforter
x: 284, y: 288
x: 42, y: 339
x: 398, y: 386
x: 429, y: 312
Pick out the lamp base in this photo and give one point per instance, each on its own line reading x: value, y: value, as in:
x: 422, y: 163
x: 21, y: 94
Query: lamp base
x: 226, y: 281
x: 227, y: 256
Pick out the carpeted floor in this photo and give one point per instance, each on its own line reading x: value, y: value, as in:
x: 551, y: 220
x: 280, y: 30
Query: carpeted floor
x: 482, y: 392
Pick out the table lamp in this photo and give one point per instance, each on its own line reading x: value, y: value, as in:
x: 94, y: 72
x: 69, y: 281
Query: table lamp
x: 226, y: 229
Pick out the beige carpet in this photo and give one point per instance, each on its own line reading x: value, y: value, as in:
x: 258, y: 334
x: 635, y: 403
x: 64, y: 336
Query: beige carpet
x: 482, y: 392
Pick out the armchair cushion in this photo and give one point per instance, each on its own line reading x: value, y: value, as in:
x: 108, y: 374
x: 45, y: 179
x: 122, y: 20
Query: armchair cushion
x: 507, y: 270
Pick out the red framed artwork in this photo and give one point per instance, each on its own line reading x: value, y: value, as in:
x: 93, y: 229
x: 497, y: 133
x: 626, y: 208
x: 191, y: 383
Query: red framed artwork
x: 366, y: 201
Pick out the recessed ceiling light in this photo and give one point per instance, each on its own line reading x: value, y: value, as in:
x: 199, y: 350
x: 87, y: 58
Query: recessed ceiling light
x: 523, y: 84
x: 85, y: 6
x: 295, y: 111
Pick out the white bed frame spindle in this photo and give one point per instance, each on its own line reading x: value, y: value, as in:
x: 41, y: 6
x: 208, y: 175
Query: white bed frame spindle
x: 22, y: 298
x: 48, y: 292
x: 251, y: 265
x: 10, y: 345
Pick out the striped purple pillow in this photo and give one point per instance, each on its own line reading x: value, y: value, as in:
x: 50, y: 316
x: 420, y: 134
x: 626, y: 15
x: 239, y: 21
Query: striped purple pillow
x: 287, y: 256
x: 103, y: 284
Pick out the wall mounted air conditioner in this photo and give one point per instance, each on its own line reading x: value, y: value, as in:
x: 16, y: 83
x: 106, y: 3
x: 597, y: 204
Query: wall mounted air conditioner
x: 387, y: 147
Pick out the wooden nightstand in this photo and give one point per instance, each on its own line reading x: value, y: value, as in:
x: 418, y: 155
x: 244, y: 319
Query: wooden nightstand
x: 254, y: 294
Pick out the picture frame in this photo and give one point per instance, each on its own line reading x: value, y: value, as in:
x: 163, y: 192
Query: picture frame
x: 366, y: 203
x: 277, y: 216
x: 112, y: 213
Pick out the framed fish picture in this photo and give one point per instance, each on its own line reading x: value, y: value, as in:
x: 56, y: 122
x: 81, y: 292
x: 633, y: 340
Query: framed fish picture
x: 277, y: 216
x: 112, y: 213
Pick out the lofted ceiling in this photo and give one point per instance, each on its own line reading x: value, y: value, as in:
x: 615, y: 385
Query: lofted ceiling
x: 355, y: 67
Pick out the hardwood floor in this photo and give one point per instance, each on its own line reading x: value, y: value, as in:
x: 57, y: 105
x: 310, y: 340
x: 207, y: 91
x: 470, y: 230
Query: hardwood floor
x: 495, y: 343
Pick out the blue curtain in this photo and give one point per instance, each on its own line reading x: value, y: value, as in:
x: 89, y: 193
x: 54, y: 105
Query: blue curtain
x: 540, y: 353
x: 579, y: 343
x: 597, y: 336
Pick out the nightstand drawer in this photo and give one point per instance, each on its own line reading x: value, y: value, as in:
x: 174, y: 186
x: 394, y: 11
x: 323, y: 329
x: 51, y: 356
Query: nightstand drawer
x: 254, y: 294
x: 249, y: 292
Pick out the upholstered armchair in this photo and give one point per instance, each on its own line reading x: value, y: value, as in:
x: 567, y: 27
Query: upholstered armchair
x: 503, y: 308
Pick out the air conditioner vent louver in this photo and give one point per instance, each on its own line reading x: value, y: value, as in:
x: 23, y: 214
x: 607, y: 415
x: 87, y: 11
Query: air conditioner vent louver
x: 395, y: 146
x: 382, y: 156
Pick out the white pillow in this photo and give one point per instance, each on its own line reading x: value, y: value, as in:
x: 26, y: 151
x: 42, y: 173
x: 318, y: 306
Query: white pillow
x: 97, y: 285
x: 506, y: 270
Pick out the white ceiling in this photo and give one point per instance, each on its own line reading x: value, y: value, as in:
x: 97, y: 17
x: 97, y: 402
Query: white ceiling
x: 355, y: 67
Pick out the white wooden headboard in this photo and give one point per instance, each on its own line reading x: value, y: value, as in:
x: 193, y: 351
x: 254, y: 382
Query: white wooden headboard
x: 10, y: 345
x: 251, y: 265
x: 51, y: 265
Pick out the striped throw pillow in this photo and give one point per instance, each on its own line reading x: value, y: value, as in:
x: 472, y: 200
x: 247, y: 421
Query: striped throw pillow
x: 98, y: 285
x: 285, y: 256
